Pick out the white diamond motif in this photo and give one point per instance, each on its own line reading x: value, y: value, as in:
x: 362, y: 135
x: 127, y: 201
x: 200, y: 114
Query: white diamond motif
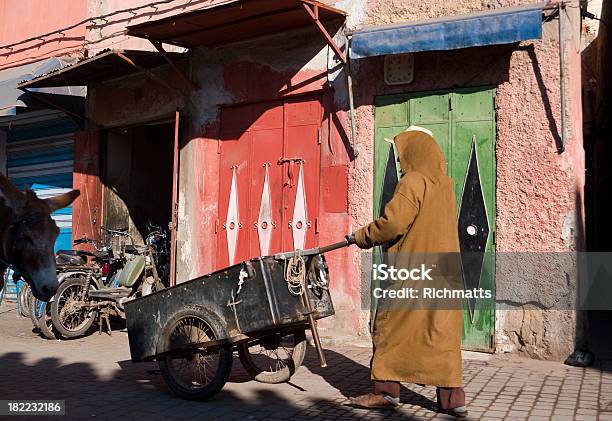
x: 231, y: 223
x: 264, y: 222
x: 299, y: 224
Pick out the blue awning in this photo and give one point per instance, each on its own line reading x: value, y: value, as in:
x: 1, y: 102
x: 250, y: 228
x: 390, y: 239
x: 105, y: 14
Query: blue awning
x: 499, y: 26
x: 11, y: 98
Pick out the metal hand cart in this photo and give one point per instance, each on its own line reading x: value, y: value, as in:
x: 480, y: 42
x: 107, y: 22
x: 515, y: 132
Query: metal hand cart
x: 261, y: 307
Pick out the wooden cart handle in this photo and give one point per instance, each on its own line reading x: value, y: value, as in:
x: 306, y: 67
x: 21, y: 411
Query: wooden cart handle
x: 317, y: 250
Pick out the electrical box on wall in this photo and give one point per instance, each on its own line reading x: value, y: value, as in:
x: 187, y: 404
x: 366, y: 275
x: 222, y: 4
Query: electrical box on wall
x: 399, y: 69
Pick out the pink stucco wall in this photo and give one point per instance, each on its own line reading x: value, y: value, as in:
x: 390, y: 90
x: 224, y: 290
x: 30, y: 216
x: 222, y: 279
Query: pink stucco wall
x: 24, y: 19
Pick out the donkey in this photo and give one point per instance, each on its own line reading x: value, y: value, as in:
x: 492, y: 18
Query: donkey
x: 28, y: 234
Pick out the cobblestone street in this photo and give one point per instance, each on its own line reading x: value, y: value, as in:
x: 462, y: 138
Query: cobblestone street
x: 97, y: 380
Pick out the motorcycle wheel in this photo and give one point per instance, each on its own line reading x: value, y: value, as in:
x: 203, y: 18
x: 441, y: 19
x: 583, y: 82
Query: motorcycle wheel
x: 273, y: 359
x: 69, y: 317
x: 44, y: 324
x: 194, y: 374
x: 24, y: 293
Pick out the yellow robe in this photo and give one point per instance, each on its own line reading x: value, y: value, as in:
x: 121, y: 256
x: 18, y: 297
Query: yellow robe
x: 420, y: 345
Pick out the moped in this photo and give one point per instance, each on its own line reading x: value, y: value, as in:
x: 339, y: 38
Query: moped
x: 80, y: 301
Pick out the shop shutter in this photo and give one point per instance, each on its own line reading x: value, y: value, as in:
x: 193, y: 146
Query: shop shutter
x: 40, y: 157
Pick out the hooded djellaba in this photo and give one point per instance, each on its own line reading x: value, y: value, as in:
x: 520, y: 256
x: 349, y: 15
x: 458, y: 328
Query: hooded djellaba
x: 417, y: 345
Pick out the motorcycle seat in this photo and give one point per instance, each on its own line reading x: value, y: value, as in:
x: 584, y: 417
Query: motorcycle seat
x: 72, y: 259
x: 69, y: 252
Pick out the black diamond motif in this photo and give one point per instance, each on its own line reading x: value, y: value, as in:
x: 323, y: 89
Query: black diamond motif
x: 389, y: 184
x: 473, y: 228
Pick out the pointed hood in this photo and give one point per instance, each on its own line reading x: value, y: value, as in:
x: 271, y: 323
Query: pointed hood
x: 418, y: 151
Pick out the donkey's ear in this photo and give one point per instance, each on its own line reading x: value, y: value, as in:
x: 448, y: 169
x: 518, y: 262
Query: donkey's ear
x: 9, y: 194
x: 63, y: 200
x: 30, y: 194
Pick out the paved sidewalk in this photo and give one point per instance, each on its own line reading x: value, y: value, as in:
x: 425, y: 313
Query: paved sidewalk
x: 97, y: 380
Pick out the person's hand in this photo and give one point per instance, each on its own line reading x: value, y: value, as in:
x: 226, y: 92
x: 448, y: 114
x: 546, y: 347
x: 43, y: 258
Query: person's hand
x: 350, y: 238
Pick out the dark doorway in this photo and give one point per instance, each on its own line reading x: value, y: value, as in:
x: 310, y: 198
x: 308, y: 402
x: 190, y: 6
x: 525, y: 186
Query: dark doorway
x: 138, y: 178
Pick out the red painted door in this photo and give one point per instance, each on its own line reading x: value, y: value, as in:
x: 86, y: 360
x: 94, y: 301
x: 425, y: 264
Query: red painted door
x: 234, y: 185
x: 266, y: 211
x: 87, y: 207
x: 268, y: 179
x: 301, y: 186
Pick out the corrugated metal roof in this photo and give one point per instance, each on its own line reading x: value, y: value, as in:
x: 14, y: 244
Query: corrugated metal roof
x: 234, y: 21
x: 12, y: 98
x: 106, y: 65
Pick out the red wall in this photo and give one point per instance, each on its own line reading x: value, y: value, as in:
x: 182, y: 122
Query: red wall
x: 24, y: 19
x: 334, y: 220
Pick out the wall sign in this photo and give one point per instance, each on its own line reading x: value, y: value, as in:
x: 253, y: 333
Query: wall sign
x: 399, y: 69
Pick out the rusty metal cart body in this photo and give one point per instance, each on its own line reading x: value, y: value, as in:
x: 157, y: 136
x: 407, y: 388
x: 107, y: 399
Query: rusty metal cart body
x: 260, y: 307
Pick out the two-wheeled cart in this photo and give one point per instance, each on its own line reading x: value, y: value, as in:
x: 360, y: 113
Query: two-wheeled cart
x: 261, y: 307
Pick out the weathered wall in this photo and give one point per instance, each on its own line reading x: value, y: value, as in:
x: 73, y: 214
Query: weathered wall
x: 261, y: 71
x: 136, y: 99
x: 539, y: 191
x: 539, y: 204
x: 24, y: 19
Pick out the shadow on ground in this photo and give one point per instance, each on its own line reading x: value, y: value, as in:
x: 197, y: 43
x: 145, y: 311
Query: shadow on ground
x: 137, y: 391
x: 357, y: 379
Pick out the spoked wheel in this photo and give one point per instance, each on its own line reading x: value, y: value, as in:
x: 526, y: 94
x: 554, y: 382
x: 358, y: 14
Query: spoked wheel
x: 24, y: 299
x: 273, y: 359
x: 40, y: 314
x: 191, y: 373
x: 70, y: 313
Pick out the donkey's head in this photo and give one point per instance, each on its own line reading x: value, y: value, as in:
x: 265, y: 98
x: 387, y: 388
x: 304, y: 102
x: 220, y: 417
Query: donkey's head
x: 28, y: 236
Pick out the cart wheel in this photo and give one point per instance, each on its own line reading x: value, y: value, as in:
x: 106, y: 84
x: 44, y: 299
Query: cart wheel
x: 194, y: 374
x: 273, y: 359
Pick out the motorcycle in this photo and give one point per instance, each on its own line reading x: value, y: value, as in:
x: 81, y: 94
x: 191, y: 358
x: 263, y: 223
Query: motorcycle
x: 80, y: 301
x: 100, y: 265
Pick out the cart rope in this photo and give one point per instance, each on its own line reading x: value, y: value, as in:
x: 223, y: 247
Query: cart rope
x: 295, y: 275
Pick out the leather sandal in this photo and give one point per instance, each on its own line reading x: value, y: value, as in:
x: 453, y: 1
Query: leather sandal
x: 371, y: 400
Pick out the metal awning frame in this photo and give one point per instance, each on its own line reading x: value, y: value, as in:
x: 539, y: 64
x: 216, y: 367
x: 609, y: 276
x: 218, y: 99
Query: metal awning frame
x: 160, y: 49
x: 312, y: 8
x: 147, y: 72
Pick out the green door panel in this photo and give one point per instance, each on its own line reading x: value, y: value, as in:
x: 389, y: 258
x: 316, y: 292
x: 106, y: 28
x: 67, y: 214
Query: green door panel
x: 456, y: 119
x: 473, y: 105
x: 393, y: 112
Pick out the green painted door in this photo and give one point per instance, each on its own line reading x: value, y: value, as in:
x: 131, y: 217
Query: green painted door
x: 463, y: 124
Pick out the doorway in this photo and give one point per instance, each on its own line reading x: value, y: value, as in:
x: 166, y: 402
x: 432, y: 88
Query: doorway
x: 463, y: 124
x: 269, y: 172
x: 137, y: 178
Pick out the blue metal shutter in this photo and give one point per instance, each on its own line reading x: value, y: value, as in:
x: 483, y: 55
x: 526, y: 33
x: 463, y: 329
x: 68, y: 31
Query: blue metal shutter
x: 40, y: 156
